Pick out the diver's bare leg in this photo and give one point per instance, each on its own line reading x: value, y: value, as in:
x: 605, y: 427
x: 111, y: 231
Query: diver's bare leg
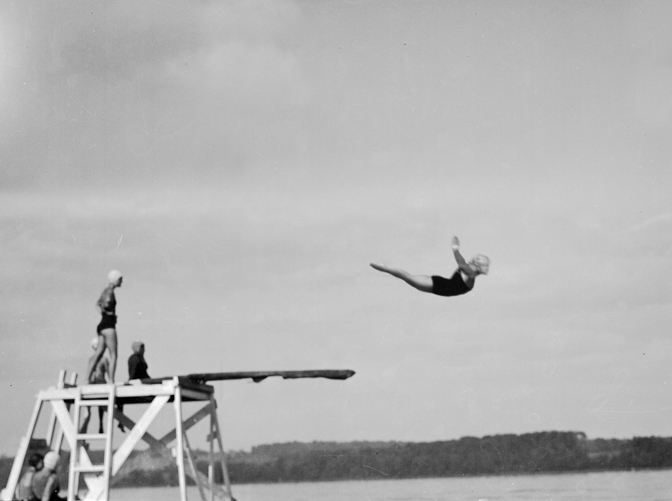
x: 85, y: 424
x: 95, y: 358
x: 421, y: 282
x: 110, y: 336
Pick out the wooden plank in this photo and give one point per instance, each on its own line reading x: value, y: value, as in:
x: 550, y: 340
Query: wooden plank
x: 211, y: 455
x: 218, y: 435
x: 130, y: 424
x: 180, y: 448
x: 138, y: 432
x: 191, y: 395
x: 51, y: 427
x: 130, y: 391
x: 195, y: 474
x: 107, y: 460
x: 258, y: 376
x: 187, y: 424
x: 64, y: 421
x: 68, y: 428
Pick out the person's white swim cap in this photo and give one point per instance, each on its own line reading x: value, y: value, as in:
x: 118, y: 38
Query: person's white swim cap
x: 94, y: 342
x: 481, y: 263
x: 113, y: 276
x: 51, y: 460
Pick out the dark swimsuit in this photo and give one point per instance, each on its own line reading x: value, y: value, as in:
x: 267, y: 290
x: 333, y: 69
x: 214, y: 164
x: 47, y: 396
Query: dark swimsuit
x: 453, y: 286
x: 107, y: 322
x: 107, y: 304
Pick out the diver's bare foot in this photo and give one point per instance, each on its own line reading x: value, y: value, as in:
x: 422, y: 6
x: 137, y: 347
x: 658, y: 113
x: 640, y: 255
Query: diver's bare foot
x: 379, y: 267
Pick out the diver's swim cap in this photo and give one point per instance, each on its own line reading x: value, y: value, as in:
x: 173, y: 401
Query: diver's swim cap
x: 481, y: 263
x: 94, y: 342
x: 113, y: 276
x: 51, y: 460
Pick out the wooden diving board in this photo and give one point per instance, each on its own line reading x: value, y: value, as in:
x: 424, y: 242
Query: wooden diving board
x: 258, y: 376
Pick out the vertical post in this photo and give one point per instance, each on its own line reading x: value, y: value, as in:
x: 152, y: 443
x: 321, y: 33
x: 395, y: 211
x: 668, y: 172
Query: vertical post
x: 107, y: 461
x: 225, y: 470
x: 194, y: 471
x: 57, y: 441
x: 180, y: 439
x: 51, y: 427
x: 211, y: 439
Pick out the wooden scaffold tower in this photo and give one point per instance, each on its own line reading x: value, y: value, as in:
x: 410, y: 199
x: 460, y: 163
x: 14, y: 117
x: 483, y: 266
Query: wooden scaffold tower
x: 67, y: 400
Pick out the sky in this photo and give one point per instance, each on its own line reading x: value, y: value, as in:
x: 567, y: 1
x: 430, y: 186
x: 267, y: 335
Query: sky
x: 243, y: 162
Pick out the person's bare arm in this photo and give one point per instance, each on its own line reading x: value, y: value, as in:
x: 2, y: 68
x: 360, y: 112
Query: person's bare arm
x: 106, y: 370
x: 48, y: 489
x: 461, y: 262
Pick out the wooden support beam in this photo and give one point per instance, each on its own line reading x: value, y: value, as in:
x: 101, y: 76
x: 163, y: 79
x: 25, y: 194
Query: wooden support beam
x: 130, y: 424
x: 51, y: 427
x: 180, y: 446
x: 69, y: 432
x: 195, y: 473
x: 187, y: 424
x: 138, y: 432
x: 218, y: 434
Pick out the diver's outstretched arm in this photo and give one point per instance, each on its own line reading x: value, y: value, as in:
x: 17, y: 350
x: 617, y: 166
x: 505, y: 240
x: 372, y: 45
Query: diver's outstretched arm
x: 461, y: 262
x: 421, y: 282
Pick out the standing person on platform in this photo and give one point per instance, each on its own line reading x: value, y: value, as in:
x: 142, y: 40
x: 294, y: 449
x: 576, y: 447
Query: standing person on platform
x: 100, y: 375
x: 24, y: 491
x: 107, y: 333
x: 137, y: 368
x: 45, y: 481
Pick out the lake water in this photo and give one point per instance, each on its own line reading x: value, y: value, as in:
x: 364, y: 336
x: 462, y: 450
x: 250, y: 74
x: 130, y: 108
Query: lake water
x: 611, y: 486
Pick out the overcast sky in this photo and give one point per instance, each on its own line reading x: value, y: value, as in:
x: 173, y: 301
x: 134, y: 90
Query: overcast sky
x: 243, y: 162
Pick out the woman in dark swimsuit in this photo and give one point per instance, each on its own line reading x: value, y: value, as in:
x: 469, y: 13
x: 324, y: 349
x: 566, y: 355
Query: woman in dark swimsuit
x: 460, y: 283
x: 107, y: 332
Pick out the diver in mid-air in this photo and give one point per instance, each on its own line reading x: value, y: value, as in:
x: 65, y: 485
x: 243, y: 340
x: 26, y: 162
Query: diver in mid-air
x: 460, y: 283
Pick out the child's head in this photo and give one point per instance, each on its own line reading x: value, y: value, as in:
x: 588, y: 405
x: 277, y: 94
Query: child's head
x: 51, y: 460
x: 35, y: 460
x: 138, y: 347
x: 94, y: 343
x: 481, y: 263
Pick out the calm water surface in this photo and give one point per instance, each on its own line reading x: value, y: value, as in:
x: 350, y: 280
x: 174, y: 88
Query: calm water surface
x: 611, y: 486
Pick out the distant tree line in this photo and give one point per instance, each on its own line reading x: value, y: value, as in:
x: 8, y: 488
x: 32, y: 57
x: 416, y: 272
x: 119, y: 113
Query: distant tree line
x: 542, y: 452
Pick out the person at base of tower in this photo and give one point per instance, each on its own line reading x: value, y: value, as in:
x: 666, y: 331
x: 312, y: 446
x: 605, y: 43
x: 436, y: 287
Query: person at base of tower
x: 24, y: 491
x: 107, y: 332
x: 461, y: 282
x: 45, y: 482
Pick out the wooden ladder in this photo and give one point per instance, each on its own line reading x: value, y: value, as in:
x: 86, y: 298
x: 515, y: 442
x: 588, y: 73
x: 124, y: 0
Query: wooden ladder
x: 89, y: 396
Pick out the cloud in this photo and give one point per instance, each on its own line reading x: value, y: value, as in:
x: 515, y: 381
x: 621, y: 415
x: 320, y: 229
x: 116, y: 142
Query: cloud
x: 119, y: 94
x: 655, y: 221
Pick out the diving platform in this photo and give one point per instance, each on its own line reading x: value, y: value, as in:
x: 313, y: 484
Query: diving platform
x: 66, y: 402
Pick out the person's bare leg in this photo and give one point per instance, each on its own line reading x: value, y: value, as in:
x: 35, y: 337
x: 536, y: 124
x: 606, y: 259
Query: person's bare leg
x: 110, y: 336
x: 421, y: 282
x: 85, y: 424
x: 101, y: 415
x: 95, y: 358
x: 120, y: 407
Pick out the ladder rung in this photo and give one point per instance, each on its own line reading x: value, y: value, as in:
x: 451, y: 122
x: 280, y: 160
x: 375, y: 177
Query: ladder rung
x: 94, y: 403
x: 94, y: 468
x: 91, y: 436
